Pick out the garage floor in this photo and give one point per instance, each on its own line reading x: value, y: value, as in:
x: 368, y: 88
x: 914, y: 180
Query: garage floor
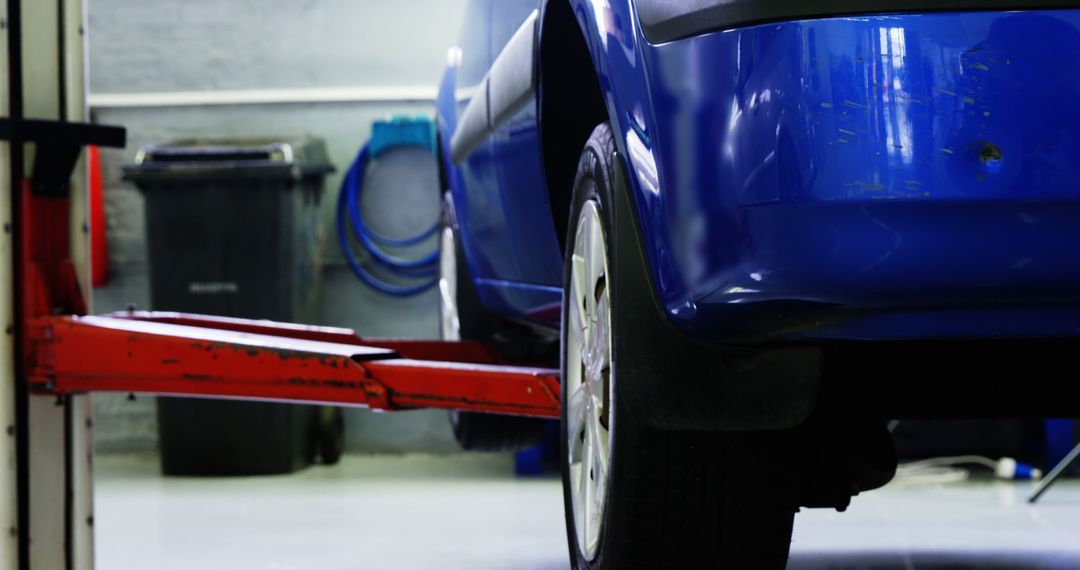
x: 465, y: 511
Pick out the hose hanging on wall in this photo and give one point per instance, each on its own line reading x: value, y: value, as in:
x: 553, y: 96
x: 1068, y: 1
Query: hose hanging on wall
x: 397, y: 133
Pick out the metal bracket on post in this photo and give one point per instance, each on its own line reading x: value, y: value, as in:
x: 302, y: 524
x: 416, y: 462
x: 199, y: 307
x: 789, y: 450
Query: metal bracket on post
x: 50, y: 283
x: 58, y: 147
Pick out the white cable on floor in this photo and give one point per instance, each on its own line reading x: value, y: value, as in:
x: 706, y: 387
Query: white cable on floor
x: 944, y: 470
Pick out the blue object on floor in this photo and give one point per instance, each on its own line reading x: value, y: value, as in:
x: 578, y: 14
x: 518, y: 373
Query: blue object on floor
x: 1060, y: 440
x: 529, y: 461
x: 532, y: 461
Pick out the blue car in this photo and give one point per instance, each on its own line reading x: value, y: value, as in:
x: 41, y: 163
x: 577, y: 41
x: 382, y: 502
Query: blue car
x: 751, y: 233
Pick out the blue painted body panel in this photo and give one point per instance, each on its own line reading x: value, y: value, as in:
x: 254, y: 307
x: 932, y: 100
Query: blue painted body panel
x: 500, y: 196
x: 878, y: 177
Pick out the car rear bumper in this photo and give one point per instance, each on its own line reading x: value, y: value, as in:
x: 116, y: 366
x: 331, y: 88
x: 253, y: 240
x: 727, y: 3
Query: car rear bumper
x: 892, y: 176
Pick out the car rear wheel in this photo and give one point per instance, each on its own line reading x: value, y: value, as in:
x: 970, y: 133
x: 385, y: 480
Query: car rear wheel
x: 641, y: 497
x: 462, y: 317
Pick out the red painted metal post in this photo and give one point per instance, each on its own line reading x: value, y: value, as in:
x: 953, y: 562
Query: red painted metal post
x: 99, y: 246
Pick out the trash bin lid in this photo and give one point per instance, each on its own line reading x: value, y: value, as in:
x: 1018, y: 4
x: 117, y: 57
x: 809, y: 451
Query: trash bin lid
x: 269, y: 158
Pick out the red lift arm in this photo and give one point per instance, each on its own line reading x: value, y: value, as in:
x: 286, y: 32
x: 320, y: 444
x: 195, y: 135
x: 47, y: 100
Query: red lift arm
x: 174, y: 353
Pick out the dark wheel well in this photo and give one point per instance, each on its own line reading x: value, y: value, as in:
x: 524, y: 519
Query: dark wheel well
x: 570, y: 105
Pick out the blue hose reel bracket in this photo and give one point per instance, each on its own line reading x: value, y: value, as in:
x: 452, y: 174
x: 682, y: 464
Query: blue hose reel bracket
x: 398, y: 132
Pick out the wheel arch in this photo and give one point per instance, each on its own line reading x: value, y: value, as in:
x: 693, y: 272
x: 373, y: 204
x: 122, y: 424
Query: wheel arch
x: 718, y: 387
x: 570, y: 103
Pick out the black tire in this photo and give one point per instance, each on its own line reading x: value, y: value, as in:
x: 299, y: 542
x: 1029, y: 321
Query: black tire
x: 476, y: 431
x: 492, y: 432
x: 330, y: 440
x: 672, y: 499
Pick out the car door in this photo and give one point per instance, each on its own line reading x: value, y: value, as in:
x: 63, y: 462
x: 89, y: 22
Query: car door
x: 502, y: 206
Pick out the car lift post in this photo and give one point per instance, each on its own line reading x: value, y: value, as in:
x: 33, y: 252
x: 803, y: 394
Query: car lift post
x: 9, y: 507
x: 45, y: 487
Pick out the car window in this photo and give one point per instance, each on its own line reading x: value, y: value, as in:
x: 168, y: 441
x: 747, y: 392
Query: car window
x: 474, y: 43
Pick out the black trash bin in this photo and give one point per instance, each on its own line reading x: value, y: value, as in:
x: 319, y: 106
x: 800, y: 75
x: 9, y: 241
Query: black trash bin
x: 232, y: 229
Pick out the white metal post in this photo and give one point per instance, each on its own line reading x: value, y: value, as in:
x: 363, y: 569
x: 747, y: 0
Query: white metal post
x: 76, y: 85
x: 59, y: 442
x: 41, y: 94
x: 9, y: 545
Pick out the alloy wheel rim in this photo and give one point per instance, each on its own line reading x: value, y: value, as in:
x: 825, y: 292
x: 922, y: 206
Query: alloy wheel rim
x: 589, y: 379
x: 449, y: 322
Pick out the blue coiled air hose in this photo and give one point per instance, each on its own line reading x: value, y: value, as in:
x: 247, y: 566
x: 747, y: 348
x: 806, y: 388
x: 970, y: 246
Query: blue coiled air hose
x: 350, y: 221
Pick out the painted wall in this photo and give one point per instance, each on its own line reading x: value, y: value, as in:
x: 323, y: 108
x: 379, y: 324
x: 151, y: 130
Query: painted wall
x: 198, y: 45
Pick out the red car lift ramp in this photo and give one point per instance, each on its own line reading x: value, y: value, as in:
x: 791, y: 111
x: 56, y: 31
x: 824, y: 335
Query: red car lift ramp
x: 217, y: 357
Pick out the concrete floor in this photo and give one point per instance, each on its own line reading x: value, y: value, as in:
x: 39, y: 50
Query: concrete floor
x: 465, y: 511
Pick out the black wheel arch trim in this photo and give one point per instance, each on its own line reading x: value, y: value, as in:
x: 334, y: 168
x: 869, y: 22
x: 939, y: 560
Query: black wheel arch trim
x: 671, y: 380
